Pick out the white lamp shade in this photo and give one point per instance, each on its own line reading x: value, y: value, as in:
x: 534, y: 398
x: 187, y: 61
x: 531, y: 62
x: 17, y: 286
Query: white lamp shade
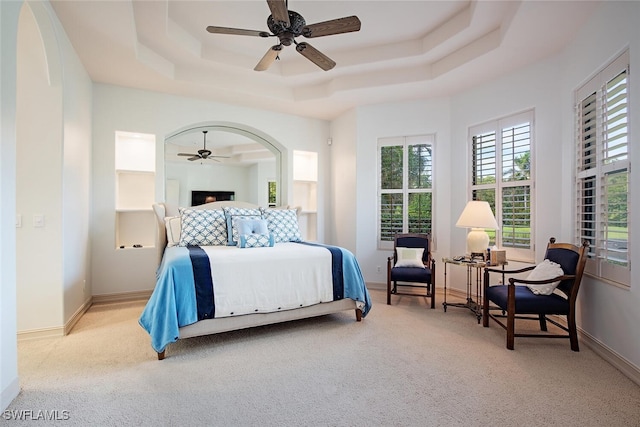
x: 477, y: 215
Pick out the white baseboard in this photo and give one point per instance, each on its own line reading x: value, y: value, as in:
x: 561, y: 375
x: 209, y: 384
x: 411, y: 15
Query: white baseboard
x: 9, y: 393
x: 122, y: 297
x: 60, y: 331
x: 32, y: 334
x: 623, y: 365
x: 77, y: 315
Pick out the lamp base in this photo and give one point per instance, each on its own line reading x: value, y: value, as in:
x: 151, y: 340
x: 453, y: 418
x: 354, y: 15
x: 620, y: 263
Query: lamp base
x: 477, y: 255
x: 477, y: 241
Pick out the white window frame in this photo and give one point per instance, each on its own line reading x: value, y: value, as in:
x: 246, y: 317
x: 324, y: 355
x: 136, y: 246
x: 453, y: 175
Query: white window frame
x: 601, y: 258
x: 404, y: 141
x: 497, y: 126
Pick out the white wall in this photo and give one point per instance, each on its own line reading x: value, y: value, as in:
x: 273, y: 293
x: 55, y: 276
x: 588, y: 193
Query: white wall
x: 118, y: 108
x: 343, y: 180
x: 9, y: 384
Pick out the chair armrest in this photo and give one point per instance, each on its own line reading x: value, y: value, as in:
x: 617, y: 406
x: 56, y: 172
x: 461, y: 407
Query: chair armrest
x: 501, y: 271
x: 430, y: 263
x: 514, y: 280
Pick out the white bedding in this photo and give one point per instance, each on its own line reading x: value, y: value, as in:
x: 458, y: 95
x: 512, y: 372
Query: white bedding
x: 298, y: 276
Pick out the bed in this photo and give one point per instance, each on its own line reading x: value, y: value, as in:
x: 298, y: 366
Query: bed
x: 225, y: 271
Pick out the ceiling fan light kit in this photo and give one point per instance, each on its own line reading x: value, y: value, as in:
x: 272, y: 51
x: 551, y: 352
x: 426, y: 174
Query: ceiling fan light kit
x: 287, y: 25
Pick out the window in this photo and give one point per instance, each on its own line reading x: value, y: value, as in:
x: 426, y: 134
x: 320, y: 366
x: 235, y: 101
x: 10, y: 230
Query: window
x: 405, y: 166
x: 602, y: 173
x: 502, y: 175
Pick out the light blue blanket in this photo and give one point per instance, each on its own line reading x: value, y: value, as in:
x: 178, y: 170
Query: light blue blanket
x: 173, y: 302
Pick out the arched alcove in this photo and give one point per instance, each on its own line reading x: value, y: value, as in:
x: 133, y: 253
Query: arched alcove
x: 243, y: 159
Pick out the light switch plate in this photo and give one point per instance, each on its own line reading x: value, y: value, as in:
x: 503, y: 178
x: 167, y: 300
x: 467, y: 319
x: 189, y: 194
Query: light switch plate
x: 38, y: 220
x: 18, y: 220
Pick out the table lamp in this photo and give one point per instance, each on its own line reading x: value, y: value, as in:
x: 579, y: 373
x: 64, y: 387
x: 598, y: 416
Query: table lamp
x: 477, y: 216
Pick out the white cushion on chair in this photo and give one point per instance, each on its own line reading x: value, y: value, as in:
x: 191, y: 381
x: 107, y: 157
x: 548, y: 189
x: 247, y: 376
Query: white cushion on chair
x: 544, y: 271
x: 409, y: 257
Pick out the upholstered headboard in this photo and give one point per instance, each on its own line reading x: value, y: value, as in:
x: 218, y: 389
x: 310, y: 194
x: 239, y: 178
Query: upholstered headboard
x: 164, y: 210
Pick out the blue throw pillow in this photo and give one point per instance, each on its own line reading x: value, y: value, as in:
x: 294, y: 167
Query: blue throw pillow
x: 234, y: 214
x: 255, y: 240
x: 252, y: 226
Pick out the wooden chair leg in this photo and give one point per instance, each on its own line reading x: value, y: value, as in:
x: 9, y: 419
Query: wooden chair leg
x: 388, y: 292
x: 573, y: 332
x: 485, y: 309
x: 433, y: 295
x: 543, y: 322
x: 432, y: 285
x: 388, y: 281
x: 511, y: 316
x: 485, y: 300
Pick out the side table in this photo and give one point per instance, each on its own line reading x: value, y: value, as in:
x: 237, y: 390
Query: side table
x: 474, y: 305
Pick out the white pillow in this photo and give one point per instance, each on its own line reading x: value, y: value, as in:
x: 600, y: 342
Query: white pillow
x: 544, y: 271
x: 409, y: 257
x: 172, y: 224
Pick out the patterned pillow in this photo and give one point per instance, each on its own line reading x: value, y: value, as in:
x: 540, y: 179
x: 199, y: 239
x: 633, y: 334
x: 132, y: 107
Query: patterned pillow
x: 233, y: 215
x: 256, y: 240
x: 201, y: 227
x: 283, y: 224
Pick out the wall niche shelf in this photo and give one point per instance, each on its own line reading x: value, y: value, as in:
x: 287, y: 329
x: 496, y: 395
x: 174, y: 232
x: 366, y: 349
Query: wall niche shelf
x: 135, y: 190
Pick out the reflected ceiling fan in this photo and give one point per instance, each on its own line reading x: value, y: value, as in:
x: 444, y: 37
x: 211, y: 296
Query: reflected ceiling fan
x: 203, y: 154
x: 287, y: 25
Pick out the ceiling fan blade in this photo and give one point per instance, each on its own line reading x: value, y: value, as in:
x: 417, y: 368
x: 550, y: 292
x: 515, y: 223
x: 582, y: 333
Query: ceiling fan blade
x: 194, y: 158
x: 315, y: 56
x: 268, y: 58
x: 236, y: 31
x: 279, y: 11
x: 335, y: 26
x: 186, y: 154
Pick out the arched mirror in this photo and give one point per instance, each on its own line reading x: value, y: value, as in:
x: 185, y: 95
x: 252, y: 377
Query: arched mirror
x: 225, y: 160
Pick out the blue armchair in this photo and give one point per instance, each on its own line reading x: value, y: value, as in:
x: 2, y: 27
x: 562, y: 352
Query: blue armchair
x: 411, y: 266
x: 523, y: 298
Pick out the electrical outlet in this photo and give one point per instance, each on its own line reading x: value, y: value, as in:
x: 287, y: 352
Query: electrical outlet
x: 379, y: 269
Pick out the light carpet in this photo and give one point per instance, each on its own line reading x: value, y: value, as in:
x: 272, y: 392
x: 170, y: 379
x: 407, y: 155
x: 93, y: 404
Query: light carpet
x: 403, y: 365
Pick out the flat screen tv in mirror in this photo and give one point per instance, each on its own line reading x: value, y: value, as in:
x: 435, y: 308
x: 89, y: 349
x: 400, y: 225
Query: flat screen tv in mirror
x: 199, y: 197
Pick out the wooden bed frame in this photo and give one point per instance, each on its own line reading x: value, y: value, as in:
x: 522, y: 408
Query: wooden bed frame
x: 225, y: 324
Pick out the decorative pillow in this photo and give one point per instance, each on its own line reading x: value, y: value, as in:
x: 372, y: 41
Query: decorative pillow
x: 201, y: 227
x: 234, y: 214
x: 251, y: 226
x: 544, y: 271
x: 172, y: 225
x: 256, y: 240
x: 283, y: 224
x: 409, y: 257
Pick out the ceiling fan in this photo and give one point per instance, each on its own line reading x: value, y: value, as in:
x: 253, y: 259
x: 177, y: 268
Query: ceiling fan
x: 202, y: 154
x: 287, y: 25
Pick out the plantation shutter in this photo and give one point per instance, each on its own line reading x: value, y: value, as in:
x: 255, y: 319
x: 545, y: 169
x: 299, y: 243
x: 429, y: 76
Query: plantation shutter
x: 603, y: 171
